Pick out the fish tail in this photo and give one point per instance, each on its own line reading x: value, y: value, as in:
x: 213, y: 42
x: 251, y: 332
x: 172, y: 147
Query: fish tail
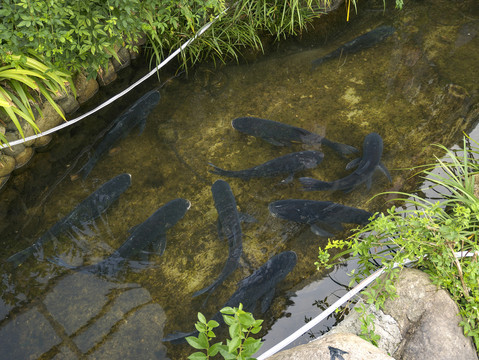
x: 219, y: 171
x: 209, y: 288
x: 316, y: 63
x: 310, y: 184
x: 20, y: 257
x: 57, y: 261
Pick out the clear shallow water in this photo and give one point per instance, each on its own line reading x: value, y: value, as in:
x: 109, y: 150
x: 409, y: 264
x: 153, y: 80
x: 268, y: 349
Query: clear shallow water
x: 414, y: 89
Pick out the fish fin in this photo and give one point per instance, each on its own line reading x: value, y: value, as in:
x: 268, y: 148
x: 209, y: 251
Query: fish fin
x: 369, y: 182
x: 353, y: 163
x: 288, y: 180
x: 160, y: 245
x: 57, y: 261
x: 274, y: 142
x: 266, y: 301
x: 20, y: 257
x: 178, y: 337
x: 310, y: 184
x: 342, y: 149
x: 385, y: 171
x: 142, y: 125
x: 246, y: 218
x: 320, y: 232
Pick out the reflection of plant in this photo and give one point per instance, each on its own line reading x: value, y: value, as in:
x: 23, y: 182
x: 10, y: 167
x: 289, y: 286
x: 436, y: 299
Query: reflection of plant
x: 240, y: 346
x: 431, y: 234
x: 22, y: 82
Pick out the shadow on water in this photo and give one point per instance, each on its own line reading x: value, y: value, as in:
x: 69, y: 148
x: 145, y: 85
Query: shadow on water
x: 416, y: 88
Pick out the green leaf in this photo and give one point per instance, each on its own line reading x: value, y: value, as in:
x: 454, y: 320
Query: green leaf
x: 197, y: 356
x: 201, y: 318
x: 200, y: 342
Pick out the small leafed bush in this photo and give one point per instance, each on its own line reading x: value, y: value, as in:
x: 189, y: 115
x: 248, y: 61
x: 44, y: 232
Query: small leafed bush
x: 240, y: 346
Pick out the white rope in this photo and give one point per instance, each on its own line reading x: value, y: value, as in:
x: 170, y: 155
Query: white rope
x: 119, y: 95
x: 354, y: 291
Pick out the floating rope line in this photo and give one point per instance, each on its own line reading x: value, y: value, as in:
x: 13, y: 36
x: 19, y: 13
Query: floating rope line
x: 119, y: 95
x: 354, y: 291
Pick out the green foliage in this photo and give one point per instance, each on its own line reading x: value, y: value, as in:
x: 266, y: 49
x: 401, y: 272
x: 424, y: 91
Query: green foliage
x: 240, y: 346
x: 429, y: 235
x: 22, y: 81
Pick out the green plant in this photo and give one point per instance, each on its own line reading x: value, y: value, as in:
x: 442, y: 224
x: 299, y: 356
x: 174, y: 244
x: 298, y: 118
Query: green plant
x: 22, y: 81
x: 241, y: 346
x: 429, y: 234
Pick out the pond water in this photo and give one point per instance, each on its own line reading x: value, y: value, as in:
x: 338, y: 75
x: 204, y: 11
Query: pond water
x: 415, y: 88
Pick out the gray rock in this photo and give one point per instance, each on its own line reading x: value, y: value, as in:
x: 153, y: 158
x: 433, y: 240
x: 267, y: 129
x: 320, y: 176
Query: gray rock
x: 16, y: 149
x: 428, y: 319
x: 384, y: 325
x: 356, y: 348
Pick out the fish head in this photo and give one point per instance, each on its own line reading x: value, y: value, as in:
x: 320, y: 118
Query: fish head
x: 282, y: 264
x: 373, y: 140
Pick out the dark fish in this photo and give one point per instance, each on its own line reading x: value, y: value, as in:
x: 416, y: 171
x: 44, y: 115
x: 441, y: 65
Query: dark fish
x: 260, y: 285
x: 366, y: 165
x: 336, y: 353
x: 280, y: 134
x: 319, y: 214
x: 134, y: 116
x: 151, y: 232
x: 89, y: 209
x: 360, y: 43
x: 287, y: 164
x: 230, y: 227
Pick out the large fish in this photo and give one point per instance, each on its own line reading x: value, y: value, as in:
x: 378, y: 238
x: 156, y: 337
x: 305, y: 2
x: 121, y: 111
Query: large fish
x: 280, y: 134
x: 260, y: 285
x: 287, y: 164
x: 135, y: 116
x: 89, y: 209
x: 320, y: 215
x: 360, y: 43
x: 366, y: 166
x: 151, y: 232
x: 230, y: 228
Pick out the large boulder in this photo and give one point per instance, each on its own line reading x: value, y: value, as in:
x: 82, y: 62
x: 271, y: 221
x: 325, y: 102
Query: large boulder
x: 421, y: 323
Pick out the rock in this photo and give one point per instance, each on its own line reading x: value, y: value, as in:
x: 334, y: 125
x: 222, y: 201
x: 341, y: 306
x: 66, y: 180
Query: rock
x: 43, y: 141
x: 7, y: 165
x: 105, y: 77
x: 124, y: 56
x: 428, y: 319
x: 325, y: 347
x: 85, y: 88
x: 421, y: 323
x: 69, y: 104
x: 384, y: 325
x: 16, y: 149
x: 24, y: 157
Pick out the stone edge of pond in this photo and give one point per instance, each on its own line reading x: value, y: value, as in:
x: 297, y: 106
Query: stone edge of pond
x: 421, y: 323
